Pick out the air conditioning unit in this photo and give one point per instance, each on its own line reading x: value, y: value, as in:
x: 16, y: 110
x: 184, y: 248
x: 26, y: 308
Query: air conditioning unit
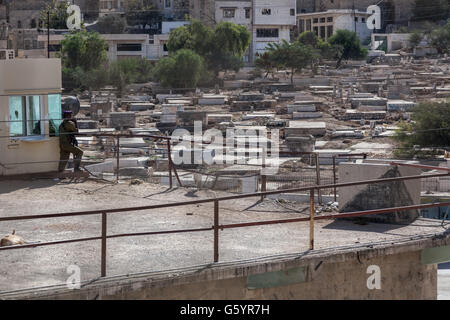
x: 7, y: 54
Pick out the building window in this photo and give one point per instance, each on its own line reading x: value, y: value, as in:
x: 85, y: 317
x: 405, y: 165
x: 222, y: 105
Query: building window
x: 292, y: 12
x: 316, y: 31
x: 247, y: 13
x: 266, y: 12
x: 54, y: 48
x: 301, y: 25
x: 267, y: 33
x: 330, y: 19
x: 25, y: 116
x: 54, y: 113
x: 308, y: 25
x: 19, y: 24
x: 33, y: 24
x: 316, y: 20
x: 322, y: 20
x: 329, y: 31
x: 167, y: 4
x: 228, y: 13
x: 129, y: 47
x: 322, y: 32
x: 363, y: 20
x: 356, y: 19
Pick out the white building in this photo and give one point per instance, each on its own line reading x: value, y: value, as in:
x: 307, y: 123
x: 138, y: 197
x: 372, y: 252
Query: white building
x: 268, y: 21
x: 272, y: 23
x: 325, y: 24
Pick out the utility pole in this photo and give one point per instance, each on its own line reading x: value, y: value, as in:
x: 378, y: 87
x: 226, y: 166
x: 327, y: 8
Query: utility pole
x: 48, y: 33
x: 252, y: 22
x: 354, y: 15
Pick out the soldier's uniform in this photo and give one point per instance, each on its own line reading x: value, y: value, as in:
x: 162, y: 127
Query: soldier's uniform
x: 67, y: 145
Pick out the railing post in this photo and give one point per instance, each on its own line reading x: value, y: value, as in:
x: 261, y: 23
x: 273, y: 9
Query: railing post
x: 118, y: 159
x: 263, y: 174
x: 311, y: 219
x: 319, y: 197
x: 169, y: 156
x: 216, y: 231
x: 334, y: 176
x: 103, y: 263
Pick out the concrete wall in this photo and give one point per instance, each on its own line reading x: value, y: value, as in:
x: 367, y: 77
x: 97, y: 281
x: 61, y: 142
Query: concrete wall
x: 239, y: 14
x: 280, y: 12
x: 380, y: 195
x: 346, y: 22
x: 317, y: 276
x: 203, y: 10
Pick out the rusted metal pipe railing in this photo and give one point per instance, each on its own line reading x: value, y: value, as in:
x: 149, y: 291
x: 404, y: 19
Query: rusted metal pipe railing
x: 216, y: 227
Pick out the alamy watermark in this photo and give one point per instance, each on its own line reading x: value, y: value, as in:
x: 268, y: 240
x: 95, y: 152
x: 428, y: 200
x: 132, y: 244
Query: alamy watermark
x: 73, y: 282
x: 74, y: 20
x: 374, y: 280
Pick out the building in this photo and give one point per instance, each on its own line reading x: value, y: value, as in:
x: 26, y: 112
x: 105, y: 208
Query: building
x: 203, y: 10
x: 393, y: 12
x: 107, y: 7
x: 272, y: 23
x: 30, y: 100
x: 267, y: 22
x: 120, y: 46
x: 325, y: 24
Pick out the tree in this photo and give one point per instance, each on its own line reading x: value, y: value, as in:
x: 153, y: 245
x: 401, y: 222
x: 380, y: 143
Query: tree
x: 111, y: 24
x: 229, y: 43
x: 195, y: 36
x: 440, y: 38
x: 434, y: 10
x: 58, y: 14
x: 309, y: 38
x: 139, y: 12
x: 324, y: 49
x: 349, y: 44
x: 429, y: 128
x: 84, y: 60
x: 266, y: 62
x: 222, y: 48
x: 294, y: 56
x: 83, y: 49
x: 415, y: 38
x: 181, y: 69
x: 131, y: 70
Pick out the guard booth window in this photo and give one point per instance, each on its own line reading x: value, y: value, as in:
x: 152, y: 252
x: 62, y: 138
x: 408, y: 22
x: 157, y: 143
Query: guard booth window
x: 25, y: 115
x: 54, y: 114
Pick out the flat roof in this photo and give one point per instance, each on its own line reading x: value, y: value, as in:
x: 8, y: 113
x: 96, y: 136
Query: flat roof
x: 44, y: 266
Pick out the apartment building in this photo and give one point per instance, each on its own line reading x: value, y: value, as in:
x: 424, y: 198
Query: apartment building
x: 267, y: 21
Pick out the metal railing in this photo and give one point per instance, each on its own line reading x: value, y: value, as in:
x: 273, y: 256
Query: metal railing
x: 216, y: 227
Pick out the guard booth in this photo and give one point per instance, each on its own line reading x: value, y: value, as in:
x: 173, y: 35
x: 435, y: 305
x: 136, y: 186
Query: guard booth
x: 30, y: 114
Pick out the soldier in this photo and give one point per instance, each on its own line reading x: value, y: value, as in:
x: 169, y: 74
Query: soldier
x: 68, y: 143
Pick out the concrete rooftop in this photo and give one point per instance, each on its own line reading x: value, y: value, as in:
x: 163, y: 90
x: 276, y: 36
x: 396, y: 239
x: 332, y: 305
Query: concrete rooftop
x: 44, y: 266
